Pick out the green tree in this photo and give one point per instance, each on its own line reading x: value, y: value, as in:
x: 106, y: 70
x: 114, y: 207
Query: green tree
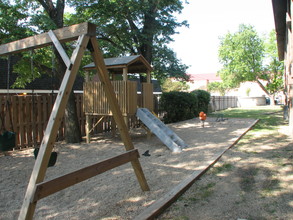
x: 34, y: 17
x: 243, y: 56
x: 170, y: 85
x: 217, y: 87
x: 136, y: 27
x: 124, y: 27
x: 12, y: 22
x: 274, y: 68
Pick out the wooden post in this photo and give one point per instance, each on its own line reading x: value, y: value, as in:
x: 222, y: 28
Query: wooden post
x: 113, y: 126
x: 149, y: 80
x: 109, y: 91
x: 289, y: 57
x: 88, y: 118
x: 290, y: 93
x: 40, y: 167
x: 125, y: 78
x: 125, y: 72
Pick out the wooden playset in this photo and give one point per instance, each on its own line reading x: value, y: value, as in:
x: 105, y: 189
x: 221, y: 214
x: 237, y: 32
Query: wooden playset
x: 85, y: 34
x: 126, y: 90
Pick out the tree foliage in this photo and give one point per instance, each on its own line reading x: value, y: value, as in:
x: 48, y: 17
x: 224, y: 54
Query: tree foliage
x: 124, y: 27
x: 136, y: 27
x: 241, y: 54
x: 13, y: 21
x: 217, y: 87
x: 274, y: 68
x: 246, y: 57
x: 34, y: 17
x: 170, y: 85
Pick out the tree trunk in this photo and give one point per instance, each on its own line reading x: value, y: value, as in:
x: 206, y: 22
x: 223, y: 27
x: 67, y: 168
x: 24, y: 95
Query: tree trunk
x: 272, y: 100
x: 72, y: 128
x: 271, y: 96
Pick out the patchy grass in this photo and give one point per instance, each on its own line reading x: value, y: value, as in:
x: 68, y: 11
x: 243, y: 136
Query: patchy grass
x: 221, y: 168
x: 256, y: 174
x: 269, y: 116
x: 247, y: 178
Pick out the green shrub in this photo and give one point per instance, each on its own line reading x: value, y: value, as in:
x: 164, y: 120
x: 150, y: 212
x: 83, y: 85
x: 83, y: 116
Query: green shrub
x: 203, y: 98
x: 178, y: 106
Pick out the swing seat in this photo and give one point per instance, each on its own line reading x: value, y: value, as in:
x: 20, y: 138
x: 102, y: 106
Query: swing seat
x: 7, y: 141
x: 52, y: 160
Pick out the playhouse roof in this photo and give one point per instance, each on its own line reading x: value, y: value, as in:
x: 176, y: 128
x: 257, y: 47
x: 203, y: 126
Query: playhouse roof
x: 134, y: 64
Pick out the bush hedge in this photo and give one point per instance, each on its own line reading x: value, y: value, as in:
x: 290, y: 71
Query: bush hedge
x: 203, y: 98
x: 180, y: 106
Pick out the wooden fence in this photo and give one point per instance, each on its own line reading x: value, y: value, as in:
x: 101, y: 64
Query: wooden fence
x: 218, y: 103
x: 28, y: 115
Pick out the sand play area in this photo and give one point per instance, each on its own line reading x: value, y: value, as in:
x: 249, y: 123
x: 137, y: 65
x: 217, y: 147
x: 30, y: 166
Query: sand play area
x: 116, y: 194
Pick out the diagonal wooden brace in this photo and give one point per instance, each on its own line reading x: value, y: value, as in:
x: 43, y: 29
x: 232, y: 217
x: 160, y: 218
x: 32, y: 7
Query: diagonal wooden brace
x: 60, y: 49
x: 40, y: 167
x: 109, y: 91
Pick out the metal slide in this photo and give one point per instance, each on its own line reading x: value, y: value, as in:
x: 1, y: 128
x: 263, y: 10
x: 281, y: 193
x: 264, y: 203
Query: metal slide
x: 163, y: 132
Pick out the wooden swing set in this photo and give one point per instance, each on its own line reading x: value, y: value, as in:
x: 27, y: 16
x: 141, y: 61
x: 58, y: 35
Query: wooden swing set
x: 85, y: 34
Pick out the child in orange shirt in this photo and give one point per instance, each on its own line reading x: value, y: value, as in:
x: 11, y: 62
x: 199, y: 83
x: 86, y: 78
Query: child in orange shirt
x: 202, y: 118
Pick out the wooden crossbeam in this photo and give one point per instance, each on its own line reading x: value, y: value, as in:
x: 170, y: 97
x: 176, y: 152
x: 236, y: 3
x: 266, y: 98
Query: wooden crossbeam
x: 63, y: 34
x: 47, y: 188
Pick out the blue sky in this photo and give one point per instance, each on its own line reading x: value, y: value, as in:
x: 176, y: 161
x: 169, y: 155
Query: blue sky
x: 197, y: 46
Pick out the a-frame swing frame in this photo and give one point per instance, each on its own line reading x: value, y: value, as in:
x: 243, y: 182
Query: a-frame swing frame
x: 86, y: 35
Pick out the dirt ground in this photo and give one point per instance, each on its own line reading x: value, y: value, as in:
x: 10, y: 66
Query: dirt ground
x: 116, y: 194
x: 253, y: 180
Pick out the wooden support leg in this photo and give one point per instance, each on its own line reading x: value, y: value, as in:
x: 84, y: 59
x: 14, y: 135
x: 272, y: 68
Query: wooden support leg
x: 113, y: 127
x: 109, y: 91
x: 291, y: 109
x: 88, y: 126
x: 126, y: 121
x: 40, y: 167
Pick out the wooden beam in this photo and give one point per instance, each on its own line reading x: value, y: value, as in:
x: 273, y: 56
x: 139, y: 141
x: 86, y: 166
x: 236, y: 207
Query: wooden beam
x: 38, y: 41
x: 149, y: 78
x: 40, y: 167
x: 88, y: 118
x: 95, y: 125
x: 110, y: 94
x: 125, y: 74
x: 48, y: 188
x: 60, y: 49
